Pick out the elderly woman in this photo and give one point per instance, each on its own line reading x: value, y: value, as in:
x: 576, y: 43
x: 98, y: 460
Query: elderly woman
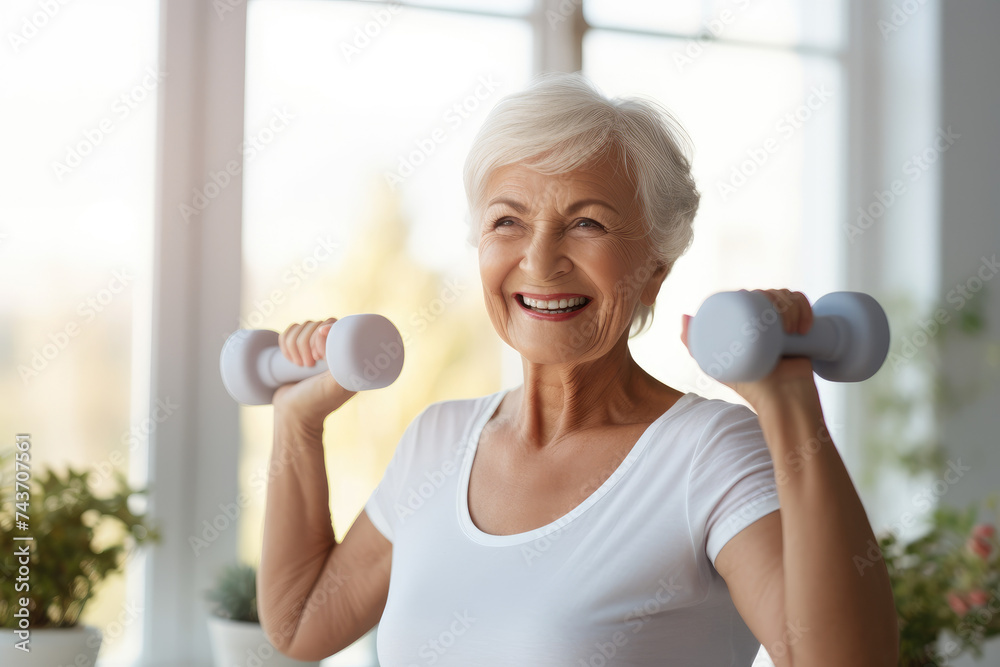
x: 592, y: 515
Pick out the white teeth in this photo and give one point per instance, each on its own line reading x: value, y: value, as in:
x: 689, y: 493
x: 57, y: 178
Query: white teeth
x: 553, y: 304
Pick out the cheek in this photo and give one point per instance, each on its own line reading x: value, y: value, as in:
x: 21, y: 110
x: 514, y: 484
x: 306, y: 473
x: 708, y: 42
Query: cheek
x: 616, y: 269
x: 494, y: 265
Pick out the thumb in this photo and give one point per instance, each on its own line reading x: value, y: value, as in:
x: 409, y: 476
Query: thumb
x: 685, y: 322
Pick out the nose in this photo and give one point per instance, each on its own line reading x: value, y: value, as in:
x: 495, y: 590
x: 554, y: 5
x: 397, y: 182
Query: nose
x: 545, y: 258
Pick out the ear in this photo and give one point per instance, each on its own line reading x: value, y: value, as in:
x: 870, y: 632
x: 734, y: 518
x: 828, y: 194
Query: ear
x: 652, y: 287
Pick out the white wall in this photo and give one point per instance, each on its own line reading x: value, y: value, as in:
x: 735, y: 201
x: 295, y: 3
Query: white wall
x: 970, y: 230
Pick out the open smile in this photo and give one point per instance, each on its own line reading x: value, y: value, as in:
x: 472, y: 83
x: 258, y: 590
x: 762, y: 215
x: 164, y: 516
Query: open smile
x: 552, y: 306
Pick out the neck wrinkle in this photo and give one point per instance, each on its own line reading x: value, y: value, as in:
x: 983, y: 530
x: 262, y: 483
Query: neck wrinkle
x: 558, y: 402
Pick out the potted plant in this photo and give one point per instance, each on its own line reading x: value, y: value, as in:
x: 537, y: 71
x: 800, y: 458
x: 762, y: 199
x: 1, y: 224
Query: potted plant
x: 50, y: 562
x: 947, y: 586
x: 237, y: 637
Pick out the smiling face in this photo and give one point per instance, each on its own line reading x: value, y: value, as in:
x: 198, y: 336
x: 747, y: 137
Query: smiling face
x: 564, y: 260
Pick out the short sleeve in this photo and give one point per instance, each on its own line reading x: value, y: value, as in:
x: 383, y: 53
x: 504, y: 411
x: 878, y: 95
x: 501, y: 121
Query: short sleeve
x: 731, y: 481
x: 383, y: 500
x: 431, y: 445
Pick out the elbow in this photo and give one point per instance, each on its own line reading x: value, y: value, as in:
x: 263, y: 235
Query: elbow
x: 279, y: 629
x: 283, y: 636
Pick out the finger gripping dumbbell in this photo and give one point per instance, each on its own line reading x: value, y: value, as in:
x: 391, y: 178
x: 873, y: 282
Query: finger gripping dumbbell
x: 739, y: 337
x: 362, y: 352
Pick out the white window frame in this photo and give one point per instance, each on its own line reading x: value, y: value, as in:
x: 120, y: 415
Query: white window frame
x: 196, y: 303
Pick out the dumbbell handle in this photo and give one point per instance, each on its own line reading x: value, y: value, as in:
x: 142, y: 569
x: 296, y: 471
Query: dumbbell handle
x: 275, y: 370
x: 825, y: 340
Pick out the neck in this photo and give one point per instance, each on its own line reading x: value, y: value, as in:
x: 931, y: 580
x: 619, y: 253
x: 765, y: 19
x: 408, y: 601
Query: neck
x: 558, y: 400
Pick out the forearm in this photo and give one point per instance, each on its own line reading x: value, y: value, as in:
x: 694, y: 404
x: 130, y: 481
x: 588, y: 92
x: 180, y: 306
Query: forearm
x: 298, y: 528
x: 836, y: 585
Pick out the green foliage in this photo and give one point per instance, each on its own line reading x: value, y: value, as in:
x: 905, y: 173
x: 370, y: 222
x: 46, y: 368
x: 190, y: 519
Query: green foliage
x: 66, y: 563
x: 913, y: 384
x: 947, y: 581
x: 235, y: 593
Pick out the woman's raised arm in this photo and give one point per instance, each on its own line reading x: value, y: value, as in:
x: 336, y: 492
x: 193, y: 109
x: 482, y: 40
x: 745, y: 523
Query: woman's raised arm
x: 314, y: 596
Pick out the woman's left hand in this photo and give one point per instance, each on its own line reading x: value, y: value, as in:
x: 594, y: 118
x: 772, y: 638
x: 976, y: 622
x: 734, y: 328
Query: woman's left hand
x: 792, y: 377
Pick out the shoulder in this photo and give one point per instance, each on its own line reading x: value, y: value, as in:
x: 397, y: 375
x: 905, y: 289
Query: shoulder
x: 708, y: 415
x: 443, y: 428
x: 451, y: 413
x: 711, y: 425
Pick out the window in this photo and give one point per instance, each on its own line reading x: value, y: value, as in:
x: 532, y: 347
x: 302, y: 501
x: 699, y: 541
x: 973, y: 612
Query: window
x: 78, y: 102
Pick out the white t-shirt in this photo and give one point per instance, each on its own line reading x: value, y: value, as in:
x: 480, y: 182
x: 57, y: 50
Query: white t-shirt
x: 626, y: 578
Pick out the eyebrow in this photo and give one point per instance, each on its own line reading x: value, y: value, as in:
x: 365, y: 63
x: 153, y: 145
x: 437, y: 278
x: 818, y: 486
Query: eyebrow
x: 573, y: 208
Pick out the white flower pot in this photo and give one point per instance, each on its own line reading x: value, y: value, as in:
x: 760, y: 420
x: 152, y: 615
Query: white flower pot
x: 52, y: 647
x: 240, y: 644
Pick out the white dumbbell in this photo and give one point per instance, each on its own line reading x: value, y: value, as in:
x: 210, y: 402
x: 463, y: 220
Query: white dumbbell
x: 362, y: 352
x: 739, y: 337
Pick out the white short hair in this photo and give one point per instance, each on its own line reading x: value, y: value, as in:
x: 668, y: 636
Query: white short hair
x: 562, y: 122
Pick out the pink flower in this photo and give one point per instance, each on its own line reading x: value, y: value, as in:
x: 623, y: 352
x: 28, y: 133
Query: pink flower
x: 979, y: 546
x: 978, y: 597
x: 957, y: 604
x: 984, y: 531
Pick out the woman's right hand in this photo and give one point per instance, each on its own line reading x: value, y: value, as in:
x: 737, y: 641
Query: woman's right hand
x: 308, y: 401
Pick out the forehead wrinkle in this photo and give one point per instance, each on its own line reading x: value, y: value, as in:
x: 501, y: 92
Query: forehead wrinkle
x: 557, y: 188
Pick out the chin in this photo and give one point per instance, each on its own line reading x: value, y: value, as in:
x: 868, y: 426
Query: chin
x: 546, y: 355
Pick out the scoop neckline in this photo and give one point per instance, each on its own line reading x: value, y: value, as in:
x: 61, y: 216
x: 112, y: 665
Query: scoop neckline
x: 487, y: 539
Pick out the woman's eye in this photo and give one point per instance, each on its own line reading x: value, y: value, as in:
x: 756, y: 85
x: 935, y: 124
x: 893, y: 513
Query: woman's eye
x: 503, y: 222
x: 587, y: 223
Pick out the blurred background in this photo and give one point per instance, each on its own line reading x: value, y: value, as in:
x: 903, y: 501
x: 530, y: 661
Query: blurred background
x: 174, y: 170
